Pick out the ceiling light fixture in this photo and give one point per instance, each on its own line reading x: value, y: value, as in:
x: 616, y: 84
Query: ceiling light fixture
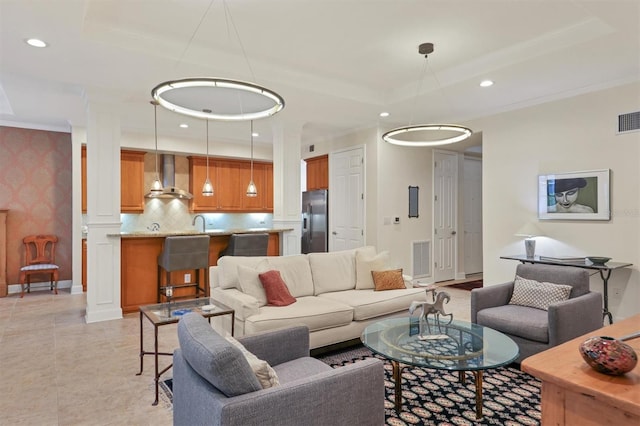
x: 486, y: 83
x: 426, y: 134
x: 384, y: 114
x: 34, y: 42
x: 156, y: 186
x: 184, y: 126
x: 207, y: 188
x: 224, y: 99
x: 252, y: 191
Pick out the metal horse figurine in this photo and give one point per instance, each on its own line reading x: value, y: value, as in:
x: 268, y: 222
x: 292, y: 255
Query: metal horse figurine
x: 436, y: 309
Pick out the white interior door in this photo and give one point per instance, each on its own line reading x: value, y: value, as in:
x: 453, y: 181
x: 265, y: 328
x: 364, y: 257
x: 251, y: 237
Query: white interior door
x: 346, y: 199
x: 472, y: 215
x: 445, y: 181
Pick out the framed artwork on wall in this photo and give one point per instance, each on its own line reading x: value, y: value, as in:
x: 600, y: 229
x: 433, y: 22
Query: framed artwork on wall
x: 574, y: 195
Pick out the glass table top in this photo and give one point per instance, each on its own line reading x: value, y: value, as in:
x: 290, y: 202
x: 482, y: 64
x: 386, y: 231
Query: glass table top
x: 456, y: 346
x: 165, y: 313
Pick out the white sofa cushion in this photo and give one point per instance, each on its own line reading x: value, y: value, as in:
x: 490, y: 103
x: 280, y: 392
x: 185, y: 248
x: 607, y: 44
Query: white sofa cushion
x: 315, y: 312
x: 228, y: 269
x: 250, y: 281
x: 295, y: 272
x: 365, y: 264
x: 370, y: 304
x: 334, y: 271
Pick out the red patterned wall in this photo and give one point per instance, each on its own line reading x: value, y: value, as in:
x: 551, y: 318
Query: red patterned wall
x: 35, y: 186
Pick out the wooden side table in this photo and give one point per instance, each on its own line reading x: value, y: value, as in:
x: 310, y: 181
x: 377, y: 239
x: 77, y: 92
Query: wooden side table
x: 170, y: 313
x: 575, y: 394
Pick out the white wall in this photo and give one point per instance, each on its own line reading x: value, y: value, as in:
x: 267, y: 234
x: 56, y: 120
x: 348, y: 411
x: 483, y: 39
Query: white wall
x: 568, y: 135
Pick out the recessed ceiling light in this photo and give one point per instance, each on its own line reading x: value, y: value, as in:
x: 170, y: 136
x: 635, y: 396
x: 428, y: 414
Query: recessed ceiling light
x: 36, y: 42
x: 486, y: 83
x: 184, y: 125
x: 384, y: 114
x: 255, y: 134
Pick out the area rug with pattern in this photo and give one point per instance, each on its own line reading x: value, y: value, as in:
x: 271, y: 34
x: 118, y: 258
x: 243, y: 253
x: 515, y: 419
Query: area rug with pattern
x: 469, y: 285
x: 431, y: 397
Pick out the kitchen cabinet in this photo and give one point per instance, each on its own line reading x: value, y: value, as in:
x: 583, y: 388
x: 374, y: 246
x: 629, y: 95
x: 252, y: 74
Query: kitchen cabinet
x: 197, y: 176
x: 131, y: 181
x: 317, y: 173
x: 230, y: 179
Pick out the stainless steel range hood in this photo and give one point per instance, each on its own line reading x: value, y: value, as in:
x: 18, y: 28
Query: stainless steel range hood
x: 169, y: 181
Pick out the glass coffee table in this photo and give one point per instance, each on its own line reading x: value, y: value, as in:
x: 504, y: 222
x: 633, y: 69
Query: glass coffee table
x: 170, y: 313
x: 459, y: 346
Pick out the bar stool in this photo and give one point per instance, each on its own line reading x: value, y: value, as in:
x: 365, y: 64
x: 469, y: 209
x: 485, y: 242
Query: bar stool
x: 181, y: 253
x: 246, y: 245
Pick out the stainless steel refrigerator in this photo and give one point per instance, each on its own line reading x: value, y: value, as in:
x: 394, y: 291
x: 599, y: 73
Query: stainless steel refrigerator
x: 315, y: 221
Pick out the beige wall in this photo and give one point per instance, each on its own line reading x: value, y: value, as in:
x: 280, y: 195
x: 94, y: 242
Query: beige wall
x: 574, y: 134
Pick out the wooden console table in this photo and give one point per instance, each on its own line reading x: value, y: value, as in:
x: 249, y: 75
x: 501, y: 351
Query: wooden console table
x: 603, y: 270
x: 575, y: 394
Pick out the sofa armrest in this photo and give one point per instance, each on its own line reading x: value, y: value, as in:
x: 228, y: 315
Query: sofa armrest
x: 574, y: 317
x: 350, y: 395
x: 278, y: 346
x: 489, y: 297
x: 244, y: 304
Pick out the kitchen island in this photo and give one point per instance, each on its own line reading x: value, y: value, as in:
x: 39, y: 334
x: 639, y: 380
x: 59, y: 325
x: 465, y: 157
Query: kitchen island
x: 139, y: 261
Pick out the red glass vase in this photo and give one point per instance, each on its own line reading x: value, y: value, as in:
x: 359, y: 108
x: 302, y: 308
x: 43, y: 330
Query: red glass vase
x: 608, y: 355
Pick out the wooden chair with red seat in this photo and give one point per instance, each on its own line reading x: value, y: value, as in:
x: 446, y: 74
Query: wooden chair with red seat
x: 40, y: 259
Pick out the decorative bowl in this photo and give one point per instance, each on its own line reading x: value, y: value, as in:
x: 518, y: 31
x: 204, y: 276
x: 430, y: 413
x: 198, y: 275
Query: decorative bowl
x: 597, y: 260
x: 608, y: 355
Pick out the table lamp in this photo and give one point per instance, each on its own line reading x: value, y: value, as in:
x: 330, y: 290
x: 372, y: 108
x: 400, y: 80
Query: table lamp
x: 530, y: 230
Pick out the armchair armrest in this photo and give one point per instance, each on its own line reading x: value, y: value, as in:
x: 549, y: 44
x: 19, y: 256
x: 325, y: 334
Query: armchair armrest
x: 489, y: 297
x: 574, y: 317
x: 278, y: 346
x: 354, y: 392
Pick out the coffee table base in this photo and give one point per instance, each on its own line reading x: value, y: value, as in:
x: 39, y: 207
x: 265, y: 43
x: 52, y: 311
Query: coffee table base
x: 397, y: 378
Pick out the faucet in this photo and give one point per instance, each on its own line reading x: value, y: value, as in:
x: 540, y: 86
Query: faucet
x: 155, y: 226
x: 203, y: 221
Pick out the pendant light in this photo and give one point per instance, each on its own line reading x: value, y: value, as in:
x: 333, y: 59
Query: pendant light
x: 156, y: 186
x: 252, y: 191
x: 207, y: 188
x: 426, y: 134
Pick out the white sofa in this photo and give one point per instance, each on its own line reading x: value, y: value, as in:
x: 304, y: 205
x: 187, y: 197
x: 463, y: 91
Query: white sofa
x: 334, y: 293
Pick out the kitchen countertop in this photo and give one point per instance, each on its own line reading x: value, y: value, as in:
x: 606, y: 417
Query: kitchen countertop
x: 210, y: 232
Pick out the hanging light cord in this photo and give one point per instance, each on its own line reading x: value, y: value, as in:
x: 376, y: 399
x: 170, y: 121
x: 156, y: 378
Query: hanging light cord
x: 418, y: 90
x: 195, y: 32
x: 155, y: 126
x: 207, y: 149
x: 251, y: 150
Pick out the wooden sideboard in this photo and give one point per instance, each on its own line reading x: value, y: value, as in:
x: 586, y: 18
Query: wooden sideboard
x: 575, y: 394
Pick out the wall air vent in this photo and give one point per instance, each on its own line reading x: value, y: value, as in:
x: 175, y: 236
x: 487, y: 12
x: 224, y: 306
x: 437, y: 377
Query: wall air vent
x: 629, y: 122
x: 421, y: 254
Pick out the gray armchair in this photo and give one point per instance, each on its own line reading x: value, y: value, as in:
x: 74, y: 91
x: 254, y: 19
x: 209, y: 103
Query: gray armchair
x: 214, y: 385
x: 535, y: 330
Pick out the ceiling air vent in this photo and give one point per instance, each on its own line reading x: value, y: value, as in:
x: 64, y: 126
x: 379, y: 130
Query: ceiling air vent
x: 629, y: 122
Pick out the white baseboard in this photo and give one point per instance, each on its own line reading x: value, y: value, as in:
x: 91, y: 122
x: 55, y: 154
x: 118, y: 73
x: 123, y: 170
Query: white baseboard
x: 40, y: 286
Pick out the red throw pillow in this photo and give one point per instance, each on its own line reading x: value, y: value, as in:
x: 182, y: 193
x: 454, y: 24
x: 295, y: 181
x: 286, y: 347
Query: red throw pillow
x: 276, y: 289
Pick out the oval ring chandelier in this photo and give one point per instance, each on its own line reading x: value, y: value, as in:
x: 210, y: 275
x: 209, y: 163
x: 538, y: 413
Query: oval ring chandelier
x: 218, y: 99
x: 458, y: 133
x: 416, y: 135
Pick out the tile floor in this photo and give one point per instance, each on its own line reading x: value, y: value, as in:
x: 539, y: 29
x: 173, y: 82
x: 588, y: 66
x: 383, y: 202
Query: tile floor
x: 58, y: 370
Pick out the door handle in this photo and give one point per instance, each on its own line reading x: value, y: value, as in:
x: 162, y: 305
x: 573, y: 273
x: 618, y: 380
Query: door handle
x: 453, y: 232
x: 334, y: 233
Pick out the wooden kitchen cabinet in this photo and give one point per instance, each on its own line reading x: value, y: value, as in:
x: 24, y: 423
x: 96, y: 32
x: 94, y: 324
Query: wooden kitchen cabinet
x: 197, y: 176
x: 317, y: 173
x: 230, y: 179
x: 131, y: 180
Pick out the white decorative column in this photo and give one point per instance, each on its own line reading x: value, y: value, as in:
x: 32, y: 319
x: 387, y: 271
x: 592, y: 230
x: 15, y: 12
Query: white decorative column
x: 78, y: 136
x: 103, y: 212
x: 286, y: 186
